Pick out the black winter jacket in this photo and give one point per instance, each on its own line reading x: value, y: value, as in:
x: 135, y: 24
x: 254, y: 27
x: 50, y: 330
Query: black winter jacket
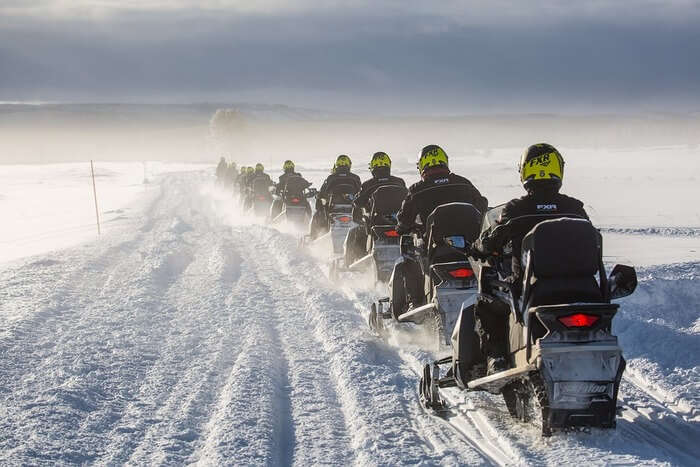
x: 439, y: 187
x: 336, y: 179
x: 369, y: 187
x: 536, y: 203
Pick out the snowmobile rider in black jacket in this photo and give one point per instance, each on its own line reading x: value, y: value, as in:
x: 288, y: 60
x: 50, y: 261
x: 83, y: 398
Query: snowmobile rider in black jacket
x: 287, y: 172
x: 340, y: 179
x: 541, y: 173
x: 221, y: 169
x: 380, y: 168
x: 438, y: 185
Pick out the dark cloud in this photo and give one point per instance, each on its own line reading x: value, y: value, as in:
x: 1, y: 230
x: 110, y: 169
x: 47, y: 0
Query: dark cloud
x: 392, y: 59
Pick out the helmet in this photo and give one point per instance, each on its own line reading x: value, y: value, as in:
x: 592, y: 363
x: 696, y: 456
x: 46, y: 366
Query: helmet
x: 379, y: 159
x: 343, y: 162
x: 432, y: 156
x: 243, y: 169
x: 259, y: 167
x: 249, y: 170
x: 541, y: 165
x: 288, y: 166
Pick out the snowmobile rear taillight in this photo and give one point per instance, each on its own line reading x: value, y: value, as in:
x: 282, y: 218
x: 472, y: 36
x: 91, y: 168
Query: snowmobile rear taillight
x: 295, y: 200
x: 578, y: 320
x: 261, y: 197
x: 344, y: 219
x: 391, y: 233
x: 462, y: 273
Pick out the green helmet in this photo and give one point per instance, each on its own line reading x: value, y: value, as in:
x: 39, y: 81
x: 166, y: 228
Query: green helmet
x: 259, y: 167
x: 288, y: 166
x: 541, y: 165
x: 379, y: 159
x: 342, y: 162
x: 432, y: 156
x: 250, y: 170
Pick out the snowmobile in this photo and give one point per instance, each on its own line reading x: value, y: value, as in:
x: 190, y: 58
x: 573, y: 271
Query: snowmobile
x: 382, y: 243
x: 449, y: 280
x: 338, y: 220
x: 295, y: 205
x: 260, y: 197
x: 565, y: 365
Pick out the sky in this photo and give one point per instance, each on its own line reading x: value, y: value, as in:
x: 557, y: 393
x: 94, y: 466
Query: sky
x: 405, y: 56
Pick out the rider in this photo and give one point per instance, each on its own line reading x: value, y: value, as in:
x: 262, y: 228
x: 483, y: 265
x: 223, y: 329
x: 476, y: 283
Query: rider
x: 245, y: 185
x: 221, y: 169
x: 259, y: 183
x: 438, y: 185
x: 230, y: 175
x: 288, y: 172
x: 380, y: 167
x: 541, y: 173
x: 341, y: 175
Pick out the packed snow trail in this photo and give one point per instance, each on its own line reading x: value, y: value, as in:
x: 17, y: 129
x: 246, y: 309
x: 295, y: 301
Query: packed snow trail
x: 183, y: 339
x: 194, y: 336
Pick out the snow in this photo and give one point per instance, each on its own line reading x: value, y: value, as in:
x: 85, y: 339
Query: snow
x: 189, y: 333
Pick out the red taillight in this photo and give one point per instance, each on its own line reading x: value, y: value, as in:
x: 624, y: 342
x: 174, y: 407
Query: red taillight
x: 579, y: 320
x: 344, y: 219
x: 391, y: 233
x: 295, y: 200
x: 261, y: 197
x: 462, y: 273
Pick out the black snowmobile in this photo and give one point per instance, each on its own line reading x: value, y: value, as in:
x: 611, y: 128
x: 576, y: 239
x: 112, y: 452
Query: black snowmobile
x: 382, y: 239
x: 449, y: 280
x: 260, y: 196
x: 338, y: 220
x: 295, y: 205
x: 565, y: 365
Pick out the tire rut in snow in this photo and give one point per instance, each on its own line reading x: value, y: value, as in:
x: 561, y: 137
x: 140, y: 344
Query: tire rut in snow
x: 376, y: 392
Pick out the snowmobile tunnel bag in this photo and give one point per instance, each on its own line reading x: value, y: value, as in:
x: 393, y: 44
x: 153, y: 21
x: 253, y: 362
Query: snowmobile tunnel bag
x: 294, y: 187
x: 386, y: 202
x: 450, y: 220
x: 563, y: 256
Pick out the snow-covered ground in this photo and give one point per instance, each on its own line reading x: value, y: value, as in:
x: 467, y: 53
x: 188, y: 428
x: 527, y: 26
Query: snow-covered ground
x: 188, y: 333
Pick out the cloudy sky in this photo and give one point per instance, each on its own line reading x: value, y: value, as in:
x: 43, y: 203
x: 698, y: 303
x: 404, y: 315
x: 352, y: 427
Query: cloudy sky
x: 413, y: 56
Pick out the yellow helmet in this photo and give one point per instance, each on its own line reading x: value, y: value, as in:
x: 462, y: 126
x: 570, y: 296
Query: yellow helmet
x: 259, y: 167
x: 288, y: 166
x: 379, y: 159
x: 541, y: 164
x: 250, y: 170
x: 243, y: 168
x: 432, y: 156
x: 342, y: 161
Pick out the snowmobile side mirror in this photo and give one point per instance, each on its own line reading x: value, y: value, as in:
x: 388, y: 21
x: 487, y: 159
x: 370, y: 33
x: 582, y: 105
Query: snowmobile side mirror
x: 622, y: 281
x: 406, y: 247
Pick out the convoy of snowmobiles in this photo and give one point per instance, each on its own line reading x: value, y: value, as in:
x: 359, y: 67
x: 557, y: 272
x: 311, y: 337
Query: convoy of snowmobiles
x: 515, y: 298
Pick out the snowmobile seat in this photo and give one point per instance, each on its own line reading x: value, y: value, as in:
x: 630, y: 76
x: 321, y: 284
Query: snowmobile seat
x: 261, y: 186
x: 451, y: 219
x: 385, y: 203
x: 294, y: 188
x: 341, y: 196
x: 562, y: 257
